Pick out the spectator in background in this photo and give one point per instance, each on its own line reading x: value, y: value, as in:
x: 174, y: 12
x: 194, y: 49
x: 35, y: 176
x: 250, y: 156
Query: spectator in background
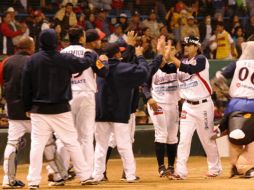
x: 90, y: 21
x: 164, y: 31
x: 15, y: 25
x: 225, y: 43
x: 153, y: 24
x: 206, y: 31
x: 235, y: 22
x: 117, y: 6
x: 238, y: 45
x: 101, y: 21
x: 238, y: 33
x: 219, y: 7
x: 118, y: 35
x: 101, y: 4
x: 82, y: 21
x: 249, y: 29
x: 74, y: 2
x: 7, y: 35
x: 66, y: 17
x: 136, y: 23
x: 250, y: 5
x: 190, y: 29
x: 123, y: 21
x: 40, y: 23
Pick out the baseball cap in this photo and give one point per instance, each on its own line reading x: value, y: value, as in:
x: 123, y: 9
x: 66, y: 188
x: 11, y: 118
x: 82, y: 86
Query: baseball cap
x: 112, y: 48
x: 123, y: 15
x: 10, y: 9
x: 117, y: 25
x: 190, y: 17
x: 93, y: 35
x: 192, y: 40
x: 136, y: 13
x: 37, y: 13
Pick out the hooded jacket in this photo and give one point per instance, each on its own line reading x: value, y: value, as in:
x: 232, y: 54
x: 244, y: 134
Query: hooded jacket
x: 46, y: 84
x: 115, y: 93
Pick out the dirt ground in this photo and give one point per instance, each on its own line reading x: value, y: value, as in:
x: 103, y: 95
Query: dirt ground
x: 147, y: 171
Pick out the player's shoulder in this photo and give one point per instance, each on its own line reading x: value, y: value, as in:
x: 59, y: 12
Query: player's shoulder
x: 73, y: 48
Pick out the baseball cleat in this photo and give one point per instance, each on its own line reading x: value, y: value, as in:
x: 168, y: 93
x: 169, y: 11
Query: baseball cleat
x: 16, y: 185
x: 60, y: 182
x: 211, y: 176
x: 234, y: 172
x: 33, y: 187
x: 171, y: 170
x: 89, y: 181
x: 175, y: 177
x: 136, y: 180
x: 249, y: 173
x: 123, y: 178
x: 163, y: 172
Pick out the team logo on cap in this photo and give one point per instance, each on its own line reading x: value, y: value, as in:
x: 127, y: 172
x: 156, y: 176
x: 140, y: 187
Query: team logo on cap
x: 192, y: 40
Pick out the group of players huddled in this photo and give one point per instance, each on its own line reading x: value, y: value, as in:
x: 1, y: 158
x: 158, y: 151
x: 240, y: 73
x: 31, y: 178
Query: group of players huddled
x: 68, y: 99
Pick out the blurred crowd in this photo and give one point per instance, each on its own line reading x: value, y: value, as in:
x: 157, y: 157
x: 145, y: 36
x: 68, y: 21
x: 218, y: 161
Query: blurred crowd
x: 221, y: 25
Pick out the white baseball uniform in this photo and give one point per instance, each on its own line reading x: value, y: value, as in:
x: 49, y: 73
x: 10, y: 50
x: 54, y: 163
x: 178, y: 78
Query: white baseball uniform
x: 164, y: 91
x: 197, y: 114
x: 83, y: 109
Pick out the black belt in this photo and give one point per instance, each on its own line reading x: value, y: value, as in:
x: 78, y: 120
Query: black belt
x: 196, y: 102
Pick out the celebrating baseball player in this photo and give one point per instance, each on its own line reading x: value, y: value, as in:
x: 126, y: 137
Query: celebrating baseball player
x: 46, y: 91
x: 239, y: 118
x: 19, y: 123
x: 163, y: 95
x: 83, y: 89
x: 197, y: 110
x: 113, y: 109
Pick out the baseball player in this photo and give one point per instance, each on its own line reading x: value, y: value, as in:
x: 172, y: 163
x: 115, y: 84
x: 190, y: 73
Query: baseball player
x: 46, y: 92
x: 239, y: 118
x: 127, y: 56
x: 19, y: 123
x: 162, y: 94
x: 83, y: 89
x: 197, y: 110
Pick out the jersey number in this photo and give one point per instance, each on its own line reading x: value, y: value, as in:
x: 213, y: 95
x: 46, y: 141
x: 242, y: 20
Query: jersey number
x: 244, y: 73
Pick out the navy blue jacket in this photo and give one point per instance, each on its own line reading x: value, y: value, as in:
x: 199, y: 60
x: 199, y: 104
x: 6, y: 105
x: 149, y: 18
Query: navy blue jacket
x: 12, y: 74
x: 46, y: 84
x: 115, y: 92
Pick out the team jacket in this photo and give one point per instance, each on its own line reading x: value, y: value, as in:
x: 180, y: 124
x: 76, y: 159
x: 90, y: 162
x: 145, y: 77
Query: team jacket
x: 12, y: 74
x: 46, y: 82
x: 162, y: 85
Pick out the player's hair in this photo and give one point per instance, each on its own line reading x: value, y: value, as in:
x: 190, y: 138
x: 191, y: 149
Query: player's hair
x: 25, y: 43
x: 75, y: 33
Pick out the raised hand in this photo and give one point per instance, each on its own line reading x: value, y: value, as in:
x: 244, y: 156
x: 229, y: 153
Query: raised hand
x: 139, y: 51
x: 161, y: 45
x: 131, y: 38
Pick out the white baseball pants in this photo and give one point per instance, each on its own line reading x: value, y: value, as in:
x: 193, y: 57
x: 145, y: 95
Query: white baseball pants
x: 43, y: 125
x: 166, y: 123
x: 17, y: 129
x: 197, y: 117
x: 124, y: 147
x: 132, y: 125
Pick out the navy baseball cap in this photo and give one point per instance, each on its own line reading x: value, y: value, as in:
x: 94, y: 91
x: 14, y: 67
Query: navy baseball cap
x: 112, y: 48
x: 93, y: 35
x: 191, y: 40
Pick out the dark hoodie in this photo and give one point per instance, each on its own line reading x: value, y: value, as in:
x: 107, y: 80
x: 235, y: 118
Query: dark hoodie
x: 115, y: 93
x: 46, y: 84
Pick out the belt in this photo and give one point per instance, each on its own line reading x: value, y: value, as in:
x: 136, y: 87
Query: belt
x: 197, y: 102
